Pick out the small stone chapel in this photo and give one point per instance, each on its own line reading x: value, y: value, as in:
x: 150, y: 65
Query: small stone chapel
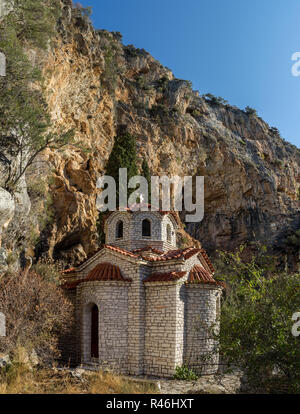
x: 143, y: 306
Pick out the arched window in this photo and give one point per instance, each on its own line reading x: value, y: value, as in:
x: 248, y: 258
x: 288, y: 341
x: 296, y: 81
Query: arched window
x: 146, y: 228
x: 169, y: 232
x: 119, y: 230
x: 95, y: 332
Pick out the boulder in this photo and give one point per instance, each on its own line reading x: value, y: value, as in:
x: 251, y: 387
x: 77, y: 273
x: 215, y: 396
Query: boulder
x: 4, y: 361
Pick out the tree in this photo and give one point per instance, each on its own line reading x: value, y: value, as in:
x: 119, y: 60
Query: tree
x: 256, y: 319
x: 26, y: 128
x: 147, y: 174
x: 123, y: 155
x: 33, y: 20
x: 215, y: 100
x: 250, y: 111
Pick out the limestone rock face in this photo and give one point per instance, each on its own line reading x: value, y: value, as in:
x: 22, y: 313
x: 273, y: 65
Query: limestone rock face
x: 7, y: 208
x: 95, y: 85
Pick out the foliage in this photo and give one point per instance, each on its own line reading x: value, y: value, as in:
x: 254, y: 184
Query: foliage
x: 162, y: 83
x: 112, y: 69
x: 184, y: 373
x: 215, y: 100
x: 294, y: 239
x: 159, y: 109
x: 33, y: 21
x: 194, y: 112
x: 25, y: 120
x: 274, y: 131
x: 85, y: 12
x: 49, y: 270
x: 256, y: 318
x: 123, y: 155
x: 36, y: 313
x: 250, y: 111
x: 100, y: 227
x: 147, y: 174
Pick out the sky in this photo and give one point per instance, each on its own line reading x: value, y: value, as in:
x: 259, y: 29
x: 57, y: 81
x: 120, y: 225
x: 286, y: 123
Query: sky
x: 239, y: 50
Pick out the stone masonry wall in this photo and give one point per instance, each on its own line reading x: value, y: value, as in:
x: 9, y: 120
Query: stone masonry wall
x: 146, y: 328
x: 112, y: 301
x: 200, y: 313
x: 164, y: 328
x: 132, y: 231
x: 134, y: 308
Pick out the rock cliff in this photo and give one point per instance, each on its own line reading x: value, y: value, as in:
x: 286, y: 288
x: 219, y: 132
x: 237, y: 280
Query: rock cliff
x: 96, y: 85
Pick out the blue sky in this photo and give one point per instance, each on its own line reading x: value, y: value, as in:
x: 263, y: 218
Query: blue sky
x: 240, y: 50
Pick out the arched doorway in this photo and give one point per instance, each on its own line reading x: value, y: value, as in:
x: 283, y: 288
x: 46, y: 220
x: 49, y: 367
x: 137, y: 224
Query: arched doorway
x: 95, y: 332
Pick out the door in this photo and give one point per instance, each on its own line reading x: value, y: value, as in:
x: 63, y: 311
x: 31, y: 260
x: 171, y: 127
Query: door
x: 95, y: 332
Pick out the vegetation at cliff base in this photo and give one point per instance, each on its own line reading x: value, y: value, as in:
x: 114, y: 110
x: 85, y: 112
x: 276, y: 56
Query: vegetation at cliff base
x: 37, y: 315
x: 256, y: 320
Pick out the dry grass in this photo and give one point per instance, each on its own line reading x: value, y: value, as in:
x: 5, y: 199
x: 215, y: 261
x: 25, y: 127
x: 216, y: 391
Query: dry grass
x: 19, y: 379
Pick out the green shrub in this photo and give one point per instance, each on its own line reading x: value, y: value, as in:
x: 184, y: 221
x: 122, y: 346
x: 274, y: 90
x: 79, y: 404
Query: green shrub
x: 250, y: 111
x: 185, y: 374
x: 159, y: 109
x: 256, y: 318
x: 163, y: 83
x: 215, y: 100
x: 274, y: 131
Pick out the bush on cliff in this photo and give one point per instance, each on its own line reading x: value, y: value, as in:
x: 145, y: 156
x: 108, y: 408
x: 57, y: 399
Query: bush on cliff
x: 25, y: 120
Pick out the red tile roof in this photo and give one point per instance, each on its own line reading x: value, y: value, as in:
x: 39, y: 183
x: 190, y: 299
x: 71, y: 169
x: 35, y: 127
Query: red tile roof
x: 176, y: 254
x: 209, y: 263
x: 72, y: 269
x: 165, y: 277
x: 170, y: 255
x: 199, y: 275
x: 106, y: 271
x: 119, y: 250
x: 102, y: 272
x: 148, y: 248
x: 108, y: 246
x: 71, y: 285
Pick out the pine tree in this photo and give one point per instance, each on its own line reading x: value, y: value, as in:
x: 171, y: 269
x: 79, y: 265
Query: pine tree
x: 123, y: 155
x: 147, y: 174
